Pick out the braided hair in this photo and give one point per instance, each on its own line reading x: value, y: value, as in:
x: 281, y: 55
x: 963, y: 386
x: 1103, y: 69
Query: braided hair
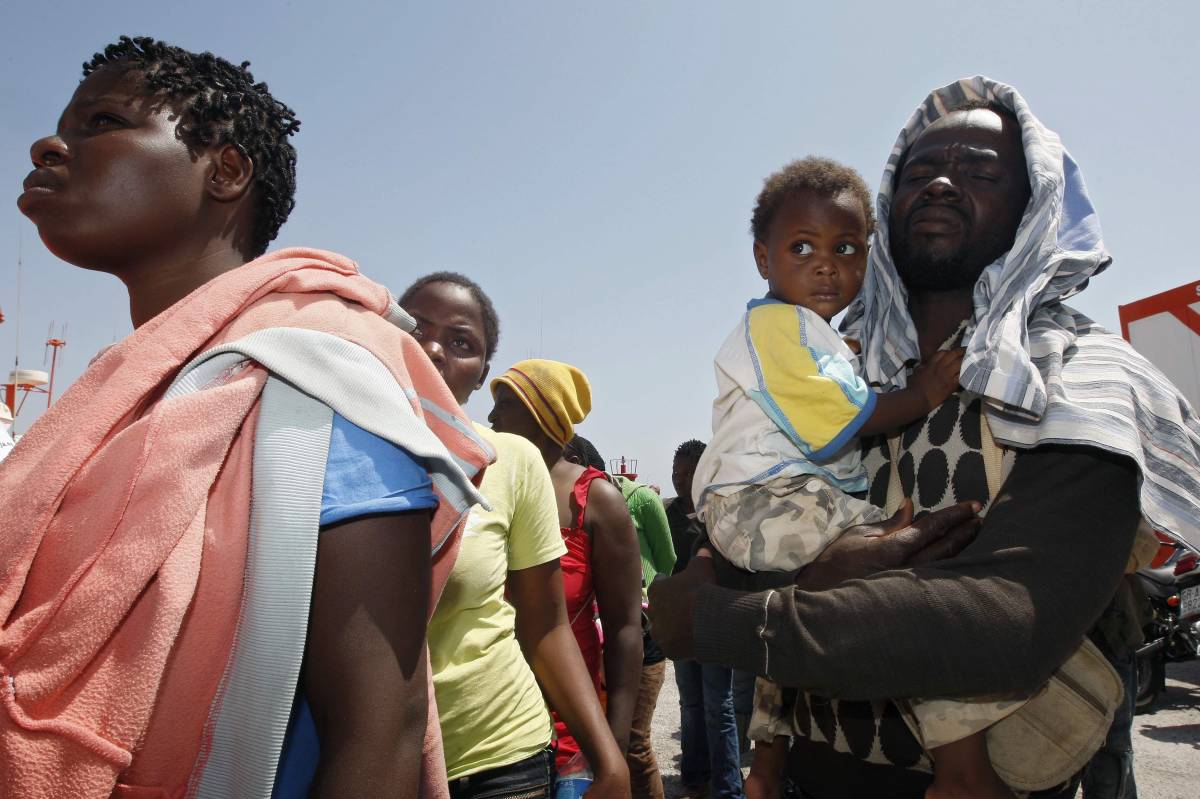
x: 586, y: 452
x: 220, y: 103
x: 491, y: 322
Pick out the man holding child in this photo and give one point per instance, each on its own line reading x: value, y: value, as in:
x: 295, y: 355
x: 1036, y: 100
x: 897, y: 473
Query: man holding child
x: 1065, y: 437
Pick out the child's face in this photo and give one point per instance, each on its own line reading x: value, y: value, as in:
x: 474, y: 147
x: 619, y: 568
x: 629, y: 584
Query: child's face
x: 815, y: 254
x: 115, y: 181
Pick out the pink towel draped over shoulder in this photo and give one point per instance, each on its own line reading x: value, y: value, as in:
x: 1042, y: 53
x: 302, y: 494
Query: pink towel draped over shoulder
x: 123, y: 534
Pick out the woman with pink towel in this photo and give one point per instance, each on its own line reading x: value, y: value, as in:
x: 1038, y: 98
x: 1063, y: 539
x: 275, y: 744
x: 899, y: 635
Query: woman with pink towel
x: 171, y: 623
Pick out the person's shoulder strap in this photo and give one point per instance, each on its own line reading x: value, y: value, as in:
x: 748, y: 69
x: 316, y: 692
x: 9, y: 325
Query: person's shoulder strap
x: 583, y: 485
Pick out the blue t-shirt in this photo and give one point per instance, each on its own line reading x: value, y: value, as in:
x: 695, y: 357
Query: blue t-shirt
x: 364, y: 475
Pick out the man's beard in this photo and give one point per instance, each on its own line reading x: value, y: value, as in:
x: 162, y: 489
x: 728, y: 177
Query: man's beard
x: 922, y: 270
x: 926, y: 271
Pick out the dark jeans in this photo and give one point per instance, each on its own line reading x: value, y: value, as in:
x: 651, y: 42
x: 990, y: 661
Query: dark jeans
x: 743, y: 692
x: 708, y: 730
x: 531, y: 778
x: 1109, y: 774
x: 743, y: 705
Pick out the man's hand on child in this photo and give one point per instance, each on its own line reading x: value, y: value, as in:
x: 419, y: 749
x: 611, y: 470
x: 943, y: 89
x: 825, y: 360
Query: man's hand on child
x: 672, y: 600
x: 858, y: 552
x: 937, y: 378
x: 896, y: 543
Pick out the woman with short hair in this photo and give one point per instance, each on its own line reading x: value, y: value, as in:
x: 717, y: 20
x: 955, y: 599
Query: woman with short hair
x: 501, y: 627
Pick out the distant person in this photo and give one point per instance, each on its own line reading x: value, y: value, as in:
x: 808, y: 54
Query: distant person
x: 986, y: 229
x: 686, y: 529
x: 542, y: 401
x: 658, y: 556
x: 501, y: 626
x: 710, y: 763
x: 220, y: 547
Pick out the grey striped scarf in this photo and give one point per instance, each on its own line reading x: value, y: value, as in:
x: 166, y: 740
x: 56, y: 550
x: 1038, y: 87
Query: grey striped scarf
x: 1047, y: 372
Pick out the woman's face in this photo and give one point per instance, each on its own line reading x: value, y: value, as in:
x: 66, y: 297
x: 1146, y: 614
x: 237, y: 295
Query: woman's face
x: 116, y: 181
x: 450, y: 330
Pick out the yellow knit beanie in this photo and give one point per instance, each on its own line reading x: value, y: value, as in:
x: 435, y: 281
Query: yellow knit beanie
x: 556, y: 393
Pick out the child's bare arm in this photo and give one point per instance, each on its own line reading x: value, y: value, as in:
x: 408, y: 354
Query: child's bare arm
x: 929, y: 386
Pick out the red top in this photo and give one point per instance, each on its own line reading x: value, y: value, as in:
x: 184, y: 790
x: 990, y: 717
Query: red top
x: 581, y: 600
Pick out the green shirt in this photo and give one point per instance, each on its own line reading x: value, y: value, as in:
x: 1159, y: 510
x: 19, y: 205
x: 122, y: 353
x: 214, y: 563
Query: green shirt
x: 653, y: 530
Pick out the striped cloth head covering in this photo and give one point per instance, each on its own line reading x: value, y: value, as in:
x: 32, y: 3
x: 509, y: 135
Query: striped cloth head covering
x: 1048, y: 373
x: 556, y: 393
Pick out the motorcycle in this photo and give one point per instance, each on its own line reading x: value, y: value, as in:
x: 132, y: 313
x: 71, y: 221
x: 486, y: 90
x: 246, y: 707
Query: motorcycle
x: 1172, y: 586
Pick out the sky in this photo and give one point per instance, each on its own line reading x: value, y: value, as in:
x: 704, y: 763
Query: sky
x: 594, y: 165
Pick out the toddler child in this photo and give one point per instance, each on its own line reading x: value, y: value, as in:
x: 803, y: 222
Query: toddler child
x: 776, y: 485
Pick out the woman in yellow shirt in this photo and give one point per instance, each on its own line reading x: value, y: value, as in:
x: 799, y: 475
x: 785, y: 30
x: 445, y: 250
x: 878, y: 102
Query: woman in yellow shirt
x: 502, y: 618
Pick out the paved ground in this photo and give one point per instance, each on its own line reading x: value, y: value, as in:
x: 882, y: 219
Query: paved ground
x: 1166, y: 742
x: 666, y: 734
